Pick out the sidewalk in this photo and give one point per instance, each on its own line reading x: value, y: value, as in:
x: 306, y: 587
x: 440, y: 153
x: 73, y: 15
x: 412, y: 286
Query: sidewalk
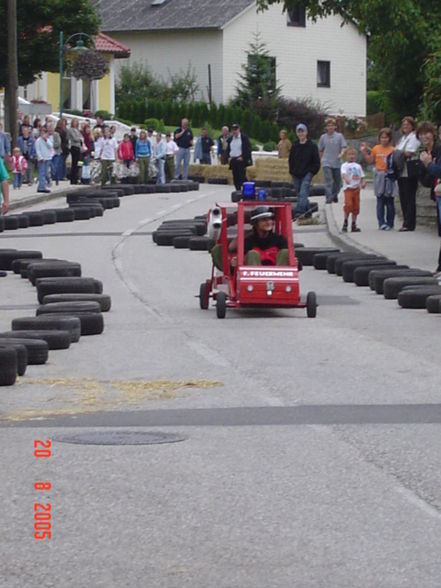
x: 419, y: 248
x: 28, y: 195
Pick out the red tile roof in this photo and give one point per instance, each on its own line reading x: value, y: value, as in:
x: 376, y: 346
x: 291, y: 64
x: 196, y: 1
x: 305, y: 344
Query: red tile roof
x: 106, y: 44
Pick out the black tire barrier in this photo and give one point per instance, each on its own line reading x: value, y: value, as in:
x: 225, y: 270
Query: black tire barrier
x: 263, y: 184
x: 359, y: 256
x: 81, y: 213
x: 11, y: 222
x: 361, y: 274
x: 49, y: 216
x: 416, y: 297
x: 23, y: 268
x: 145, y: 189
x: 236, y: 196
x: 36, y: 219
x: 54, y: 269
x: 317, y: 190
x: 103, y: 300
x: 8, y: 256
x: 433, y: 303
x: 319, y: 260
x: 200, y: 244
x: 69, y: 306
x: 23, y: 220
x: 109, y: 201
x: 90, y: 209
x: 377, y: 277
x: 220, y: 181
x: 393, y: 286
x: 279, y: 184
x: 331, y: 260
x: 126, y: 189
x: 163, y: 188
x: 2, y: 223
x: 64, y: 215
x: 22, y: 356
x: 196, y: 178
x: 165, y: 238
x: 67, y: 286
x: 54, y: 339
x: 95, y: 206
x: 306, y: 254
x: 3, y: 274
x: 92, y: 323
x: 181, y: 242
x: 349, y: 267
x: 38, y: 350
x: 49, y: 322
x: 8, y: 366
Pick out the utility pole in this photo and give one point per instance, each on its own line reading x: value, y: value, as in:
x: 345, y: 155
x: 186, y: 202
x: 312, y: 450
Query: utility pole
x: 12, y: 86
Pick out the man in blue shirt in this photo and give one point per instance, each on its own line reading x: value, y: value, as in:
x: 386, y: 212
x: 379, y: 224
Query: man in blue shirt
x: 184, y: 140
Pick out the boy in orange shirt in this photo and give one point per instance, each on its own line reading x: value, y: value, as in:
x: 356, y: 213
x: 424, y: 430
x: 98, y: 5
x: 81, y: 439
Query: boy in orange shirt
x: 385, y: 188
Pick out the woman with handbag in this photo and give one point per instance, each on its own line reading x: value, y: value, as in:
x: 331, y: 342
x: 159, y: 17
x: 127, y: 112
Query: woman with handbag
x: 430, y: 176
x: 408, y: 180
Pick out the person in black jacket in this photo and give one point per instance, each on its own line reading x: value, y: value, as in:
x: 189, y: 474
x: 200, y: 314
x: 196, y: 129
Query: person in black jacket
x: 304, y: 163
x: 239, y: 155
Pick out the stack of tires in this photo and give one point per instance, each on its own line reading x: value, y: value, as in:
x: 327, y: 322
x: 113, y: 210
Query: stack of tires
x: 186, y: 233
x: 71, y: 306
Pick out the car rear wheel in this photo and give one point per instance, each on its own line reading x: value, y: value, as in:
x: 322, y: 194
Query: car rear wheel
x: 221, y: 305
x: 311, y: 305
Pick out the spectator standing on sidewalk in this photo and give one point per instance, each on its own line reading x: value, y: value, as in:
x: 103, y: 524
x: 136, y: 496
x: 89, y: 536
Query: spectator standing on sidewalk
x: 171, y: 151
x: 431, y: 174
x: 385, y: 189
x: 284, y: 145
x: 107, y: 148
x: 408, y: 180
x: 5, y: 145
x: 18, y: 166
x: 304, y: 163
x: 43, y: 150
x: 222, y: 145
x: 353, y: 180
x: 184, y: 139
x: 75, y: 141
x: 332, y: 146
x: 143, y: 153
x: 239, y: 155
x: 27, y: 147
x: 62, y: 131
x: 133, y: 138
x: 203, y: 148
x: 4, y: 196
x: 159, y: 152
x: 125, y: 151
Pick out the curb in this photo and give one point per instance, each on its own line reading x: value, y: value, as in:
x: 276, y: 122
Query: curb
x: 342, y: 240
x: 38, y: 198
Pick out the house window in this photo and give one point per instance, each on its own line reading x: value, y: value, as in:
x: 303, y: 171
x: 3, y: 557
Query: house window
x: 323, y: 74
x: 296, y: 16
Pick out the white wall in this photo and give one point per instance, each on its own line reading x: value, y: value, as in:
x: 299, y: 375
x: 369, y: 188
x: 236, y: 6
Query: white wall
x: 297, y: 50
x: 164, y: 51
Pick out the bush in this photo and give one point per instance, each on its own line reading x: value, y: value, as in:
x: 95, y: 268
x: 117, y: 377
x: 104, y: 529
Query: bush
x: 106, y: 115
x: 304, y: 110
x: 373, y: 102
x: 158, y: 125
x: 269, y: 146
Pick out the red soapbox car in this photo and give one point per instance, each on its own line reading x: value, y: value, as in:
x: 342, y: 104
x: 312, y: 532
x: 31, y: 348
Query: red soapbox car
x: 257, y: 286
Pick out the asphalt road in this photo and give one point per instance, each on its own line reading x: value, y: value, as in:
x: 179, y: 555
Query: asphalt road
x: 311, y: 451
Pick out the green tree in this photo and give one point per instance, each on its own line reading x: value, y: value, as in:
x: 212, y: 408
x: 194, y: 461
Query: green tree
x: 137, y: 82
x: 257, y: 88
x: 38, y: 27
x: 401, y: 35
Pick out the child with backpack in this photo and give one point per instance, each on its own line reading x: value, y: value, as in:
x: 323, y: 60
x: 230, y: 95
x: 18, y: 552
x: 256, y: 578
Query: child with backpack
x: 19, y: 165
x: 385, y: 187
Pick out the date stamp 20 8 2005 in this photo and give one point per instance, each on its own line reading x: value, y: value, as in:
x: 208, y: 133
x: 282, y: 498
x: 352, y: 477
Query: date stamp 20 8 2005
x: 42, y: 510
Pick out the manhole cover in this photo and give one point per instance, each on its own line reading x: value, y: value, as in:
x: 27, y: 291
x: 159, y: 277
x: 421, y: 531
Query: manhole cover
x: 120, y: 438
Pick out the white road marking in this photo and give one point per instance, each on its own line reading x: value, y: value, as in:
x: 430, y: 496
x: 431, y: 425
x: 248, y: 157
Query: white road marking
x: 210, y: 355
x: 419, y: 502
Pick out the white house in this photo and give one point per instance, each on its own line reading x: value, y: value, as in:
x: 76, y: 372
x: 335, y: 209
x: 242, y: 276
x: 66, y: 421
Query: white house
x: 324, y: 60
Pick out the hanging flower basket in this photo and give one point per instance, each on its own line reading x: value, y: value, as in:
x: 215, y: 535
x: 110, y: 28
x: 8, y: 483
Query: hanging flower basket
x: 90, y: 65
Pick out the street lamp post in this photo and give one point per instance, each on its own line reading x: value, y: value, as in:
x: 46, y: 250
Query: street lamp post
x: 79, y: 47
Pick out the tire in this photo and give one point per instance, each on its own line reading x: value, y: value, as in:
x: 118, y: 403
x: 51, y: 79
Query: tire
x: 416, y: 297
x: 3, y: 274
x: 8, y: 256
x: 221, y: 305
x: 393, y: 286
x: 103, y: 300
x: 203, y: 296
x: 54, y: 339
x: 38, y: 350
x: 361, y: 273
x: 83, y: 213
x: 311, y: 305
x: 181, y: 242
x: 348, y: 267
x: 64, y: 215
x: 433, y: 303
x: 11, y: 223
x: 236, y: 196
x: 22, y: 356
x: 331, y: 260
x: 306, y: 254
x: 8, y: 366
x: 67, y: 307
x: 358, y: 257
x: 36, y: 219
x: 23, y: 221
x: 317, y: 190
x: 220, y: 181
x: 2, y: 223
x: 49, y: 322
x: 319, y: 260
x: 165, y: 238
x: 200, y: 244
x: 377, y: 277
x: 49, y: 217
x: 144, y: 188
x: 163, y: 188
x: 92, y: 323
x: 53, y: 270
x: 66, y: 286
